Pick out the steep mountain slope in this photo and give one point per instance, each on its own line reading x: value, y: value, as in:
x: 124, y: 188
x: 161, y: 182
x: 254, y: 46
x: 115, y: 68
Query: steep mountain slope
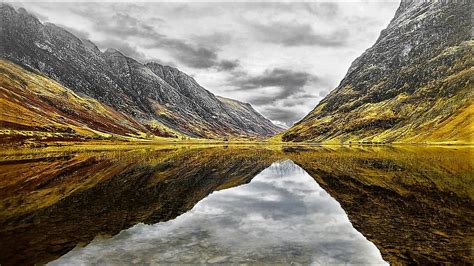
x: 34, y: 107
x: 218, y: 107
x: 413, y: 85
x: 120, y: 81
x: 246, y: 113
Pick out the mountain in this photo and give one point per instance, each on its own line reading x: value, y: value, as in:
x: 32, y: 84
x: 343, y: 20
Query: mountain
x: 236, y: 114
x: 151, y: 94
x: 36, y: 108
x: 412, y: 85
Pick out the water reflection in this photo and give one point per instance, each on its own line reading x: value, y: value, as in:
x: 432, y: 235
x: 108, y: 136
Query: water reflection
x: 281, y: 216
x: 414, y: 203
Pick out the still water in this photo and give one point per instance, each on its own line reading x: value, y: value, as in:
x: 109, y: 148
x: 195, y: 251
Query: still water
x: 242, y: 204
x: 281, y: 216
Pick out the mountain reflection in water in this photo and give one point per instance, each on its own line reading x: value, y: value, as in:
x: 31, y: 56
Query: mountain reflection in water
x: 276, y: 218
x: 414, y: 203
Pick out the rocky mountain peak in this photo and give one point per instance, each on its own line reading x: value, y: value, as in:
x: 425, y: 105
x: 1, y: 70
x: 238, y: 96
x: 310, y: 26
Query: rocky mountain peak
x: 90, y: 46
x: 20, y: 16
x: 150, y: 93
x: 113, y: 51
x: 408, y: 83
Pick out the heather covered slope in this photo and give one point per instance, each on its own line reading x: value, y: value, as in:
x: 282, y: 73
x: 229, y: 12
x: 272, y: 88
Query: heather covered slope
x: 412, y: 86
x: 34, y: 107
x: 112, y: 78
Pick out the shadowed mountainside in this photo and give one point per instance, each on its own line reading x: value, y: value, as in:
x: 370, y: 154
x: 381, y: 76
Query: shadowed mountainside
x: 152, y: 94
x: 413, y: 85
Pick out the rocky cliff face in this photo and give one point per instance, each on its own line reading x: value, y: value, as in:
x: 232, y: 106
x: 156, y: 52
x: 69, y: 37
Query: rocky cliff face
x: 152, y: 94
x: 413, y: 85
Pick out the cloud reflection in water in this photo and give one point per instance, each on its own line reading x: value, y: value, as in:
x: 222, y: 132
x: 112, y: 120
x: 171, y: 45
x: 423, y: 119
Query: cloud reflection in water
x: 282, y: 216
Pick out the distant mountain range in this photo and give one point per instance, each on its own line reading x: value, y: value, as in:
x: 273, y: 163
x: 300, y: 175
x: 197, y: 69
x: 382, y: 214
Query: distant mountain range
x: 413, y: 85
x: 104, y: 93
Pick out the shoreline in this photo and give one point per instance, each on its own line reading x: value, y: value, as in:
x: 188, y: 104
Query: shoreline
x: 124, y: 145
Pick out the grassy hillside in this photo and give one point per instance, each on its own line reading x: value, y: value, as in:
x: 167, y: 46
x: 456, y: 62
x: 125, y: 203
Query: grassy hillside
x: 33, y: 107
x: 412, y: 86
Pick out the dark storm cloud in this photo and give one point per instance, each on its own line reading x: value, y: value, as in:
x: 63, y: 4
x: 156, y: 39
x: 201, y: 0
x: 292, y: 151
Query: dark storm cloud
x: 298, y: 35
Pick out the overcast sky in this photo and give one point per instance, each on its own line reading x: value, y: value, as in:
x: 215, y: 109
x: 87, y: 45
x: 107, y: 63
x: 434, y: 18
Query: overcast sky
x: 283, y: 58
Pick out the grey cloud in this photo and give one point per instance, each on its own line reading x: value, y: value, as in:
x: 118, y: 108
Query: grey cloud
x: 307, y: 95
x: 288, y: 94
x: 299, y: 99
x: 195, y: 56
x: 326, y: 10
x: 227, y: 65
x: 288, y: 81
x: 214, y: 39
x: 298, y: 35
x: 323, y: 93
x: 276, y: 77
x: 123, y: 25
x: 285, y: 115
x: 288, y: 204
x: 123, y: 47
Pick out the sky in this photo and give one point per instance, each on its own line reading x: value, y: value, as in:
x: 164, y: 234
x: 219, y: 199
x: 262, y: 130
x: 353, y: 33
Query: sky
x: 281, y: 57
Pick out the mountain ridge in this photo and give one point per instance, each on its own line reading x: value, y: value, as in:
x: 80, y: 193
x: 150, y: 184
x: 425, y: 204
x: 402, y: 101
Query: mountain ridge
x: 36, y: 108
x: 122, y: 82
x: 412, y: 85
